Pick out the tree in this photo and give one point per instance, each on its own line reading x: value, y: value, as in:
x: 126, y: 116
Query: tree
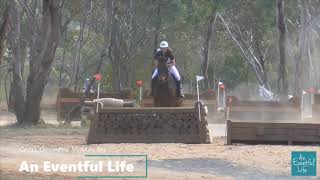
x: 4, y: 29
x: 214, y: 6
x: 206, y: 46
x: 79, y: 45
x: 306, y: 60
x: 44, y: 44
x: 245, y: 29
x: 127, y: 34
x: 283, y: 79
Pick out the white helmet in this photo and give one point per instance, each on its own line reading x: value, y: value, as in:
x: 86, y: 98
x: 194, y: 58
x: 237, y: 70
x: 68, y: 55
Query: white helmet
x: 164, y: 44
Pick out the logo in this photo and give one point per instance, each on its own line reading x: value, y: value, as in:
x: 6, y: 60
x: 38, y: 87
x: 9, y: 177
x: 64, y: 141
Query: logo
x: 119, y: 166
x: 303, y: 163
x: 95, y: 166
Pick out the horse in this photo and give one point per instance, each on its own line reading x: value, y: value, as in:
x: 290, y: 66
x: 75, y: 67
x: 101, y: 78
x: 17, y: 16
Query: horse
x: 164, y: 87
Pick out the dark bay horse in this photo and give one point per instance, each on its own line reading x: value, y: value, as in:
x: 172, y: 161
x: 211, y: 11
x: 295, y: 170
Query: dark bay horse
x: 164, y: 87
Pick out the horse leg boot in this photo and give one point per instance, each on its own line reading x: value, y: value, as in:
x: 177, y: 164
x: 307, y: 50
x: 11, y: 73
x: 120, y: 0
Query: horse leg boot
x: 179, y: 89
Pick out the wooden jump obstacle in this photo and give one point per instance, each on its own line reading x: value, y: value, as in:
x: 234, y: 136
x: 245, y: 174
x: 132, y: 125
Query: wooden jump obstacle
x: 290, y: 133
x: 149, y: 125
x: 316, y: 108
x: 269, y: 122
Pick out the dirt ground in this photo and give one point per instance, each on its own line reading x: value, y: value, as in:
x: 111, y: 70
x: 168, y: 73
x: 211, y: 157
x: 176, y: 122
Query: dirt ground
x: 166, y: 161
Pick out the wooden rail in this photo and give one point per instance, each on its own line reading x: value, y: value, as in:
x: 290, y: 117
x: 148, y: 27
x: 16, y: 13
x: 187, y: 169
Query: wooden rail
x: 289, y: 133
x: 316, y: 108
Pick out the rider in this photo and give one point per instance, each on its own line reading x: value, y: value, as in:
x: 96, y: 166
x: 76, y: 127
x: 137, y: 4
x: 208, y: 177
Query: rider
x: 165, y: 52
x: 85, y: 87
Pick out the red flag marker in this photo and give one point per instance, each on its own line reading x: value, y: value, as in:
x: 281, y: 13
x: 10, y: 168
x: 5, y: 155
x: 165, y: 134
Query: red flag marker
x: 311, y: 90
x: 97, y: 77
x: 139, y: 83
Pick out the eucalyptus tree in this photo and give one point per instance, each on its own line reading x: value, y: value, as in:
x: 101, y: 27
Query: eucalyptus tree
x: 4, y: 28
x: 303, y: 40
x: 283, y: 74
x: 43, y: 37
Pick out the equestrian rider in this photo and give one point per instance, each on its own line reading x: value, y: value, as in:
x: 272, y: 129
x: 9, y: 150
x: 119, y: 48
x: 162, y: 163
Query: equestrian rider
x: 85, y: 87
x: 165, y: 52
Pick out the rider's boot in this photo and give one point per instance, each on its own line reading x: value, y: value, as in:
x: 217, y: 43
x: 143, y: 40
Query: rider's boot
x: 179, y: 89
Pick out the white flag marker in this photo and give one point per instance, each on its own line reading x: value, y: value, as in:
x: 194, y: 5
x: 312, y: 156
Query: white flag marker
x: 199, y: 78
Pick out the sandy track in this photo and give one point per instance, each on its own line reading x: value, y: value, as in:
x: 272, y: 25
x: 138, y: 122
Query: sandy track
x: 166, y: 161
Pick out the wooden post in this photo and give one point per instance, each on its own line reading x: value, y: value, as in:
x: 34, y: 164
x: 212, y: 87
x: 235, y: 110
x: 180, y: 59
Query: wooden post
x: 98, y: 95
x: 218, y: 97
x: 224, y: 98
x: 228, y: 129
x: 140, y: 93
x: 198, y: 100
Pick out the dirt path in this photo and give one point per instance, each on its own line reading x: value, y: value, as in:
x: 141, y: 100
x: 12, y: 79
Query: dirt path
x: 166, y: 161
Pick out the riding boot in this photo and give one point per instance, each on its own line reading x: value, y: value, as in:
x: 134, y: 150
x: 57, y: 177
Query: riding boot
x: 179, y: 89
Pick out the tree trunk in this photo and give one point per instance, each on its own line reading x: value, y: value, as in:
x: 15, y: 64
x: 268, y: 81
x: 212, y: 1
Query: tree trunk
x: 16, y: 89
x: 302, y: 61
x: 63, y: 59
x: 206, y: 47
x: 42, y: 56
x: 129, y: 47
x: 264, y: 75
x: 158, y: 27
x: 262, y: 57
x: 4, y: 30
x: 114, y: 49
x: 79, y: 45
x: 64, y: 32
x: 114, y: 55
x: 283, y: 80
x: 111, y: 36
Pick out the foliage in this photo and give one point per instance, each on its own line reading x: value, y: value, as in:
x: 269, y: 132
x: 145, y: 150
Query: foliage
x: 183, y: 24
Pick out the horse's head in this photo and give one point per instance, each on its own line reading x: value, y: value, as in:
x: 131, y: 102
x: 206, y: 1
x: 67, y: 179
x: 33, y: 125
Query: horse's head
x: 163, y: 73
